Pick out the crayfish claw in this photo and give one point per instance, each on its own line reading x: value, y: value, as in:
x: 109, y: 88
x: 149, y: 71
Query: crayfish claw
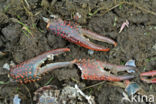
x: 32, y: 69
x: 144, y: 76
x: 97, y: 70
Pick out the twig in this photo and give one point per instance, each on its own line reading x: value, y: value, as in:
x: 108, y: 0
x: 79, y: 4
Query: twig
x: 121, y: 3
x: 53, y: 3
x: 25, y: 27
x: 29, y: 13
x: 26, y: 9
x: 112, y: 8
x: 117, y: 84
x: 28, y: 92
x: 94, y: 85
x: 27, y: 4
x: 141, y: 8
x: 48, y: 81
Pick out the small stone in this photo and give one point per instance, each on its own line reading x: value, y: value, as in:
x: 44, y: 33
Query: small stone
x: 6, y: 66
x: 90, y: 52
x: 12, y: 64
x: 84, y: 5
x: 132, y: 88
x: 130, y: 63
x: 16, y: 99
x: 154, y: 47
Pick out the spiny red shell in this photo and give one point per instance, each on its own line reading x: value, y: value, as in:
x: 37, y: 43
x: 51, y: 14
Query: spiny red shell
x: 24, y: 72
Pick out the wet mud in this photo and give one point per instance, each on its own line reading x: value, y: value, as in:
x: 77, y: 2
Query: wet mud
x: 23, y: 35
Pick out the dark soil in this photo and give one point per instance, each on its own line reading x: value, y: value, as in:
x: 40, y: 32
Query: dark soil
x: 137, y: 42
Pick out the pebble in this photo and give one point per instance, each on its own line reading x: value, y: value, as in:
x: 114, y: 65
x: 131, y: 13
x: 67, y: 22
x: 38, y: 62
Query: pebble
x: 130, y: 63
x: 154, y: 47
x: 16, y: 99
x: 6, y: 66
x: 90, y: 52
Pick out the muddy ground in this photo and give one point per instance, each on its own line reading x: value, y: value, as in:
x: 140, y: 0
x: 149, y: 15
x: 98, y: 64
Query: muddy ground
x: 23, y: 35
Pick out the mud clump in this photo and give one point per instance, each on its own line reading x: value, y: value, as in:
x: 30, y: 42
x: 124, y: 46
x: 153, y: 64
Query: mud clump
x: 30, y: 47
x: 135, y: 42
x: 3, y: 19
x: 11, y: 33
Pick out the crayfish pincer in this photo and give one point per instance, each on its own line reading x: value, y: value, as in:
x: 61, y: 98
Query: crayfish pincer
x: 77, y: 34
x: 32, y: 69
